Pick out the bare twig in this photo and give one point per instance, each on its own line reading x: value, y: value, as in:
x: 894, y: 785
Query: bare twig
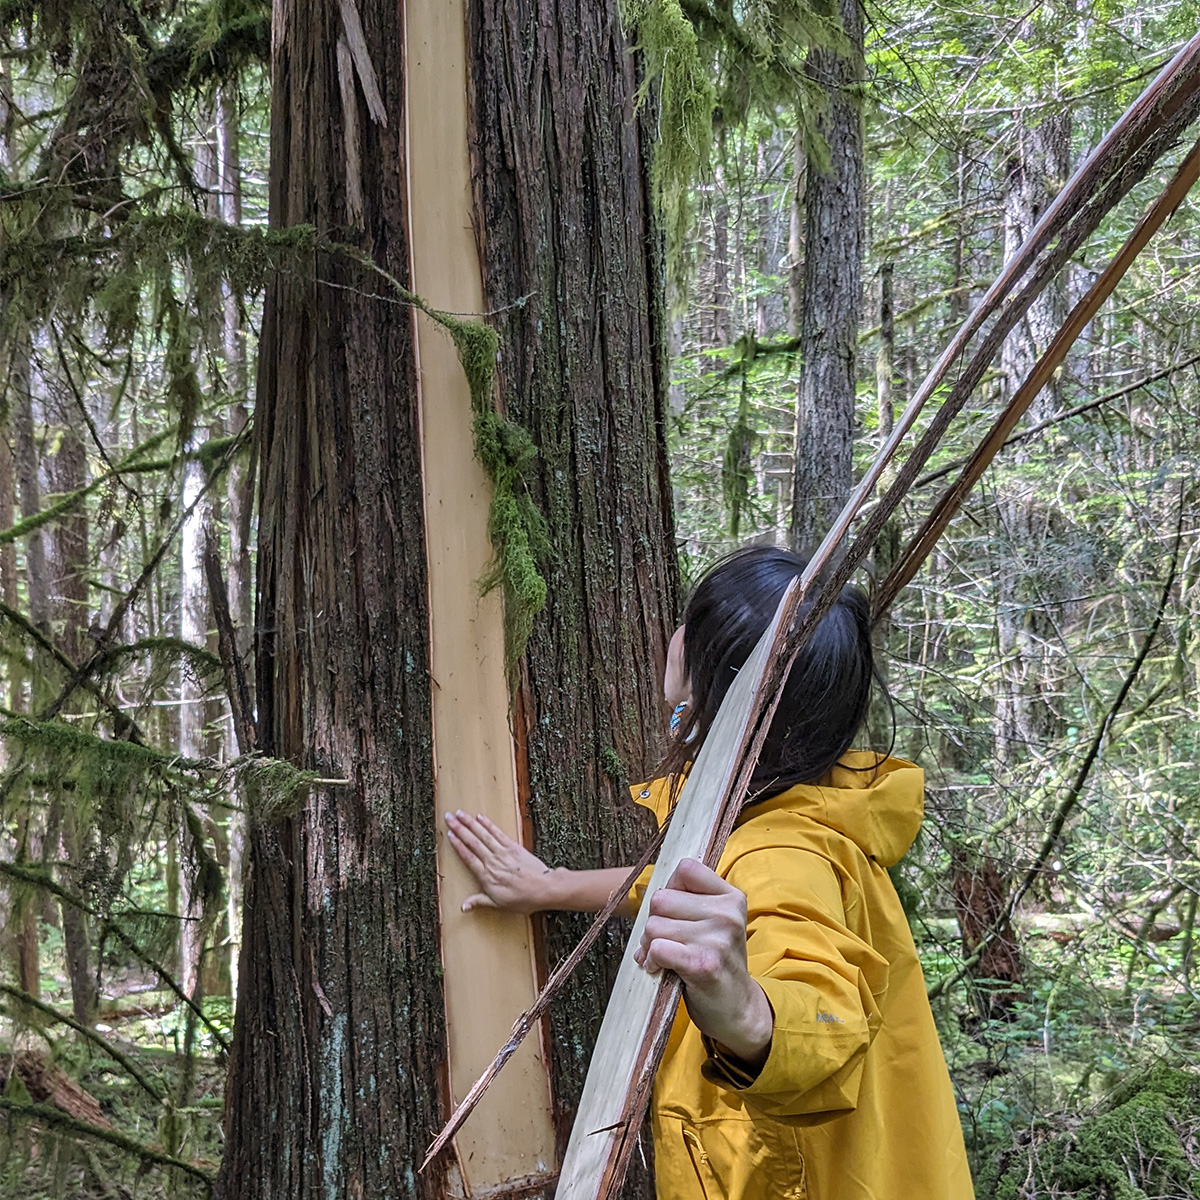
x: 43, y: 880
x: 85, y: 669
x: 236, y: 687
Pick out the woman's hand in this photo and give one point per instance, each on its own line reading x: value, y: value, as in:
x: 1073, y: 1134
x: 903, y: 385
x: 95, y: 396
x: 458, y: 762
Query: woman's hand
x: 509, y: 876
x: 697, y: 928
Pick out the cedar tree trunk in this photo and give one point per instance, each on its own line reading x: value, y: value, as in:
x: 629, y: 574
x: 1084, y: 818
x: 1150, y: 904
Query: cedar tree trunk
x: 833, y: 239
x: 336, y: 1073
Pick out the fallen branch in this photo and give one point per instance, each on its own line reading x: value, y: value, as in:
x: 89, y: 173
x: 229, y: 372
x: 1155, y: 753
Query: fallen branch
x: 116, y: 1055
x: 49, y: 1115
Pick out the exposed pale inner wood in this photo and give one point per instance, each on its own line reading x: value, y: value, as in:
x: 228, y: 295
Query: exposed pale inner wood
x: 628, y: 1018
x: 488, y: 957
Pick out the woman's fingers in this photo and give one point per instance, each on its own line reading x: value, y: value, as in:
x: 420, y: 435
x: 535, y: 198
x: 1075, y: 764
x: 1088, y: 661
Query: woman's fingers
x: 491, y: 833
x: 690, y: 906
x: 693, y: 876
x: 692, y: 963
x: 465, y: 828
x: 479, y: 900
x: 465, y: 851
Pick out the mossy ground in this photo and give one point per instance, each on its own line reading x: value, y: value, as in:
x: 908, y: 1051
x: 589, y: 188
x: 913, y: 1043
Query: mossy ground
x: 1143, y: 1144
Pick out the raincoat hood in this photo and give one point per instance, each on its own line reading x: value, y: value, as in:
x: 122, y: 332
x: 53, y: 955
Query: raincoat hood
x: 876, y: 802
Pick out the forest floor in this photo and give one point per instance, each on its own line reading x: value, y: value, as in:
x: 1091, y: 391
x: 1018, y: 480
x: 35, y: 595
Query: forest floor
x: 1052, y: 1066
x: 147, y: 1025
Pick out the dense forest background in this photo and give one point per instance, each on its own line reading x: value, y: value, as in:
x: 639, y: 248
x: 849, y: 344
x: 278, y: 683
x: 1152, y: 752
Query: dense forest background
x: 1043, y: 666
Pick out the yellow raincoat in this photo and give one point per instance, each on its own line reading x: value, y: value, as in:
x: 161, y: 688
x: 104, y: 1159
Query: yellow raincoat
x: 854, y: 1101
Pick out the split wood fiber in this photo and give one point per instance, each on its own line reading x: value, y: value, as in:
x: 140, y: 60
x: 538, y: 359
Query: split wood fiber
x: 488, y: 957
x: 642, y: 1005
x: 1147, y: 130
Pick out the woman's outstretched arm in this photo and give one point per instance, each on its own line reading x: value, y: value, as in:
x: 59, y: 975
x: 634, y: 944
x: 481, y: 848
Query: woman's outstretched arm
x: 513, y: 879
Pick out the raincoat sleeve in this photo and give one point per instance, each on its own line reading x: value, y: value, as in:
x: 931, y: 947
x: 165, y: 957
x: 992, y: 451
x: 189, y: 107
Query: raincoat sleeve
x: 656, y: 796
x: 823, y: 983
x: 637, y: 893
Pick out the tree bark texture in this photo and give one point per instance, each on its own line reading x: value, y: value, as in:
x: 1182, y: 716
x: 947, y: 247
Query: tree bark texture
x: 572, y: 267
x: 337, y: 1066
x: 833, y: 240
x: 68, y: 564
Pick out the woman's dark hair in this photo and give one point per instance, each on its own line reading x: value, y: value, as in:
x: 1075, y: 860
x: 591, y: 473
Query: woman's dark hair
x: 827, y: 692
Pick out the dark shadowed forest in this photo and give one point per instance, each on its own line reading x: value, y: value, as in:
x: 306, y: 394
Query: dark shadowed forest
x: 720, y: 244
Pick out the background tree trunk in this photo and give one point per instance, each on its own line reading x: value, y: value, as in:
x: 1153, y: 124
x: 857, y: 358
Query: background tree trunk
x: 565, y: 223
x: 339, y: 1045
x: 833, y: 237
x: 1028, y: 702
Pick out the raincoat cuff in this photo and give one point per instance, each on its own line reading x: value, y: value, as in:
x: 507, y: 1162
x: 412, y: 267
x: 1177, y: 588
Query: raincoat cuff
x: 724, y: 1070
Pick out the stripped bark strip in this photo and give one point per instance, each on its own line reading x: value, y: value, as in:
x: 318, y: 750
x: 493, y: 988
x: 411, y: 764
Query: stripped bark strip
x: 1122, y: 158
x: 915, y: 553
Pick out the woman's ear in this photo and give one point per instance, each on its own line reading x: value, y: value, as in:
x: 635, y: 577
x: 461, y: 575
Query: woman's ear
x: 676, y: 685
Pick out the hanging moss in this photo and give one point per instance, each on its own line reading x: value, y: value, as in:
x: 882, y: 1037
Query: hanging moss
x: 197, y: 662
x: 518, y: 531
x: 115, y: 269
x: 686, y: 96
x: 69, y: 750
x: 1136, y: 1148
x: 273, y: 789
x: 179, y: 368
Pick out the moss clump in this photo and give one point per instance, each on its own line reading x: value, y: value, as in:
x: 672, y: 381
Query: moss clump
x: 1133, y: 1149
x: 736, y: 475
x: 610, y: 760
x: 517, y: 530
x: 273, y: 789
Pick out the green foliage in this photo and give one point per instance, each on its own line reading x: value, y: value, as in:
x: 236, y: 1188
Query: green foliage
x: 717, y: 67
x: 1137, y: 1147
